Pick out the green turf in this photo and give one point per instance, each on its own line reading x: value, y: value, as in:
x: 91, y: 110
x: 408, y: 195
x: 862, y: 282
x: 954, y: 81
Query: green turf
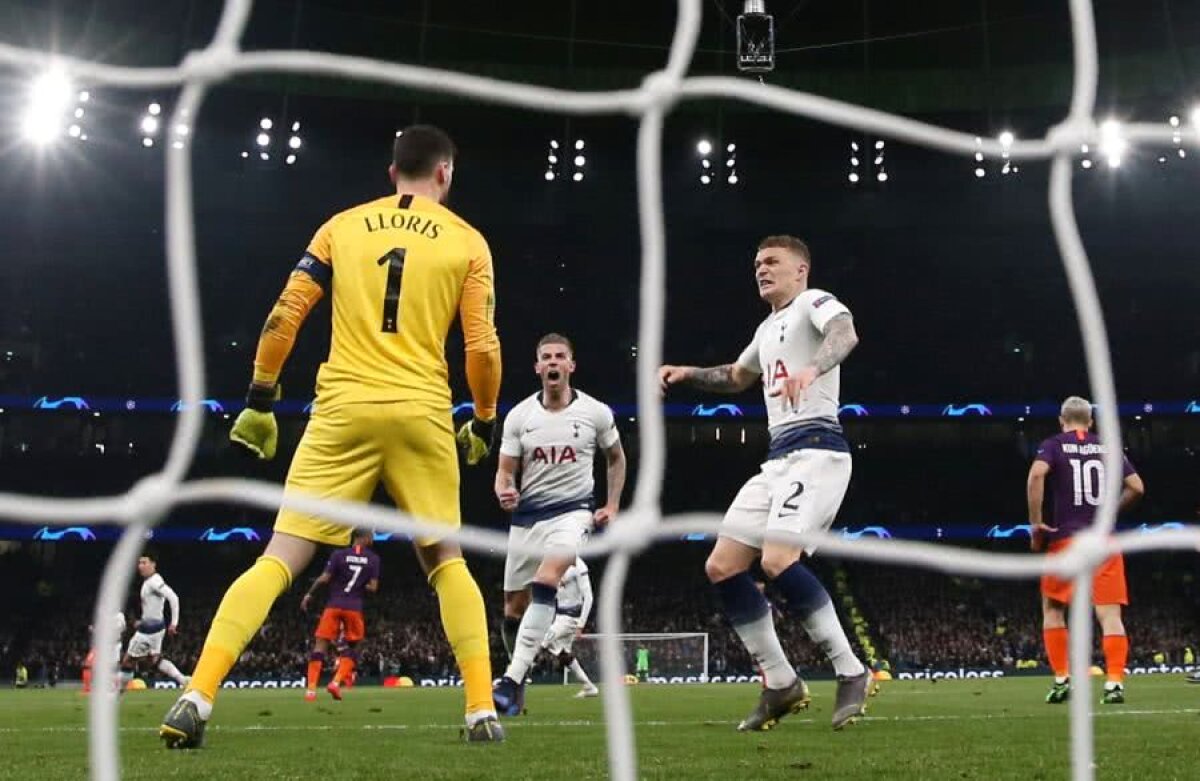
x: 915, y: 730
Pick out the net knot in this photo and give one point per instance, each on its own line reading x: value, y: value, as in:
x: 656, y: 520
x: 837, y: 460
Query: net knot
x: 207, y: 65
x: 149, y: 500
x: 1071, y: 134
x: 660, y: 90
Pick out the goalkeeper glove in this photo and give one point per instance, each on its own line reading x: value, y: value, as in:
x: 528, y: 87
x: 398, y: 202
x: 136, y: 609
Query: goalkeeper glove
x: 255, y: 430
x: 476, y: 438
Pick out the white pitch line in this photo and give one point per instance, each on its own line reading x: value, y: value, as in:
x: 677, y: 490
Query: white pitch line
x: 590, y: 723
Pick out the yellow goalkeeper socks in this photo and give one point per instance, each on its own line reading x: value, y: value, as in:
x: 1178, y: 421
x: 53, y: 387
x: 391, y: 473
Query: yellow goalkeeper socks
x: 241, y: 614
x: 465, y: 622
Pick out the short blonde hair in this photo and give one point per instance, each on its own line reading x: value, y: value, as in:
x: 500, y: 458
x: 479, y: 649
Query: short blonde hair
x: 1076, y: 409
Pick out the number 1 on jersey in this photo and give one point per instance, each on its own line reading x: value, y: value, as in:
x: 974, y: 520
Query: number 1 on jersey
x: 394, y: 260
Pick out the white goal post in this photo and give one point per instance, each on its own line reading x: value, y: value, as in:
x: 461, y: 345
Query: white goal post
x: 674, y: 657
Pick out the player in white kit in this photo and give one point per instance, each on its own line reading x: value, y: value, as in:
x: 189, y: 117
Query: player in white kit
x: 572, y: 607
x: 146, y: 644
x: 551, y: 438
x: 797, y: 351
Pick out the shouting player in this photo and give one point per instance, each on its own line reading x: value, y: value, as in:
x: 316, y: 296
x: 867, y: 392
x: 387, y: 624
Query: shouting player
x: 350, y: 573
x: 1074, y: 461
x: 551, y: 439
x: 797, y: 350
x: 572, y: 606
x: 398, y: 269
x: 145, y: 647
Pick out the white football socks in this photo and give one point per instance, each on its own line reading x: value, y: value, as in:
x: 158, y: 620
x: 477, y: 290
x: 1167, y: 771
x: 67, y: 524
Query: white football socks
x: 824, y: 629
x: 168, y: 668
x: 763, y: 644
x: 534, y: 625
x: 580, y: 675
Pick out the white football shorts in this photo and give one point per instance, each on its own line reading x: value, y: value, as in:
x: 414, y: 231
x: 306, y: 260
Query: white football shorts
x: 558, y: 536
x: 561, y: 635
x: 142, y: 644
x: 798, y: 493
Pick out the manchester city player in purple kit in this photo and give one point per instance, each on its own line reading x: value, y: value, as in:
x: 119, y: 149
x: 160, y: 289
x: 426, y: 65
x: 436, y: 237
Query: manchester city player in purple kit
x: 1074, y: 462
x: 350, y: 573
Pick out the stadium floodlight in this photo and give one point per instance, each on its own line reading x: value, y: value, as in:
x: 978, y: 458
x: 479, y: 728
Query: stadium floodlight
x: 1112, y: 144
x: 553, y: 144
x: 1085, y: 163
x: 853, y: 177
x: 853, y: 146
x: 290, y: 159
x: 79, y: 112
x: 294, y: 142
x: 182, y: 129
x: 579, y: 145
x: 580, y: 160
x: 265, y: 123
x: 84, y: 96
x: 263, y: 139
x: 149, y: 125
x: 177, y: 144
x: 705, y: 179
x: 551, y: 159
x: 1174, y: 121
x: 1006, y: 138
x: 549, y: 176
x: 731, y: 148
x: 147, y: 142
x: 879, y: 144
x: 704, y: 146
x: 245, y: 154
x: 733, y: 178
x: 264, y: 156
x: 854, y: 161
x: 296, y: 126
x: 979, y: 157
x: 154, y: 109
x: 577, y: 176
x: 729, y: 163
x: 705, y: 163
x: 74, y: 131
x: 49, y: 95
x: 1182, y: 153
x: 980, y: 173
x: 882, y: 176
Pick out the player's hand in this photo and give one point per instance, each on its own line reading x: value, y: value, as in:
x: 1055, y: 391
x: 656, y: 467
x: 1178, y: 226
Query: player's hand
x: 795, y: 388
x: 304, y: 602
x: 1037, y: 535
x: 509, y: 498
x: 476, y: 438
x: 671, y: 375
x: 172, y: 630
x: 604, y: 516
x: 255, y: 430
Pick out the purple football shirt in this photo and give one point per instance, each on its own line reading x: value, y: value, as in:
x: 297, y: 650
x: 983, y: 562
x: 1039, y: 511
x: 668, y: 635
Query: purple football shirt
x: 352, y: 569
x: 1076, y: 479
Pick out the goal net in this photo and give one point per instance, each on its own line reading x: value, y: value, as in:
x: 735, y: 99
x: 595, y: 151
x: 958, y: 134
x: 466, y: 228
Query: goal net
x: 147, y: 503
x: 651, y: 657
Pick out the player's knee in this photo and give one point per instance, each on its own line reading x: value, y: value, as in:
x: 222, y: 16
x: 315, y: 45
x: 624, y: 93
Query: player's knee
x: 718, y: 569
x: 775, y: 562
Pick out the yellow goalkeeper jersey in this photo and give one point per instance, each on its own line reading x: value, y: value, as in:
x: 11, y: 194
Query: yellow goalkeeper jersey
x: 400, y: 269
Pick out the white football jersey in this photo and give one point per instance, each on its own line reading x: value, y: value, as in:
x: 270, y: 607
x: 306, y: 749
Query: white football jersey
x: 786, y: 341
x: 570, y: 589
x: 557, y: 450
x: 155, y: 593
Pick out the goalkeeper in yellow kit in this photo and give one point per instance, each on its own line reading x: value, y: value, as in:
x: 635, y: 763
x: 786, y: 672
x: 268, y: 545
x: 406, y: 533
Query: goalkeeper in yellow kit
x: 398, y: 269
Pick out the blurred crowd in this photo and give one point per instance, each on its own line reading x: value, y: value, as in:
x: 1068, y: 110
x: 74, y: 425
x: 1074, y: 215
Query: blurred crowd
x: 903, y: 618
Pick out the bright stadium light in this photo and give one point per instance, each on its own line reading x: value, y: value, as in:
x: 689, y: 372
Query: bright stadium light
x: 149, y: 125
x: 245, y: 154
x: 147, y: 142
x: 49, y: 96
x: 733, y: 178
x: 263, y: 139
x: 264, y: 156
x: 577, y: 176
x: 74, y: 131
x: 553, y: 144
x: 579, y: 145
x: 549, y: 176
x: 879, y: 144
x: 1174, y: 121
x: 705, y: 163
x: 705, y: 179
x: 882, y: 176
x: 294, y: 142
x: 265, y: 123
x: 1085, y: 163
x: 182, y: 129
x: 580, y: 160
x: 980, y: 173
x: 296, y: 126
x: 84, y: 96
x: 1112, y: 144
x: 731, y: 148
x: 1006, y: 138
x: 290, y: 159
x: 154, y: 109
x: 551, y: 159
x: 853, y: 177
x: 704, y: 146
x: 729, y: 163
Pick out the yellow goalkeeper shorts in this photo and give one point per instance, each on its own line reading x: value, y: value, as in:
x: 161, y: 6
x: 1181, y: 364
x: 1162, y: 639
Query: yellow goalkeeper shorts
x: 347, y: 450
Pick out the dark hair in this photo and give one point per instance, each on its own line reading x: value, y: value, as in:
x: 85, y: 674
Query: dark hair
x: 555, y: 338
x: 362, y: 531
x: 784, y: 241
x: 149, y: 554
x: 419, y: 149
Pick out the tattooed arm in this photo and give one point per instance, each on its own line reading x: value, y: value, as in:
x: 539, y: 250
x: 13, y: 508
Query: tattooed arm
x: 729, y: 378
x: 839, y: 341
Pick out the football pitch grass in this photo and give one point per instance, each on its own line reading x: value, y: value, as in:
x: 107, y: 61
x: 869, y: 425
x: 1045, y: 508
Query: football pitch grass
x: 974, y: 729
